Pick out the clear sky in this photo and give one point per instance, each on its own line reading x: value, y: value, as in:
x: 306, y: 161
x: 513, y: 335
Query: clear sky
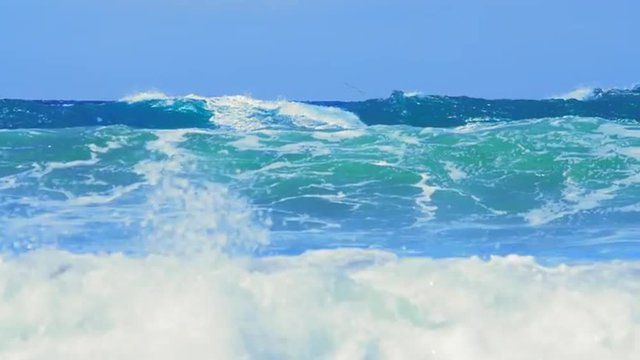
x: 315, y: 49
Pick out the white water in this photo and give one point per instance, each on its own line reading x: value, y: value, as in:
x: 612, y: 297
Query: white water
x: 245, y: 113
x: 341, y: 304
x: 188, y: 299
x: 580, y: 93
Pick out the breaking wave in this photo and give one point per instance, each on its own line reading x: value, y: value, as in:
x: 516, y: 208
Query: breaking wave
x: 413, y: 227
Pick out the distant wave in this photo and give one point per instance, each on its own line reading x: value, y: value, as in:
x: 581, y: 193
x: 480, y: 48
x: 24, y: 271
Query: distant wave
x: 156, y: 110
x: 581, y: 93
x: 448, y: 111
x: 159, y: 111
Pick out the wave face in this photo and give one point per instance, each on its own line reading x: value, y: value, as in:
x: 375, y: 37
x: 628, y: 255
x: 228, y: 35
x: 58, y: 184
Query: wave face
x: 159, y: 227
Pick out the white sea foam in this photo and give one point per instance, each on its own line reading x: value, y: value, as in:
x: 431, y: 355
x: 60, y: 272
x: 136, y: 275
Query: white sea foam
x: 336, y: 136
x: 248, y: 114
x: 55, y: 165
x: 145, y: 96
x: 619, y: 130
x: 340, y: 304
x: 8, y: 182
x: 410, y: 94
x: 327, y: 117
x: 110, y: 145
x: 633, y: 152
x: 46, y: 168
x: 581, y: 93
x: 454, y: 172
x: 167, y: 144
x: 424, y: 201
x: 249, y: 142
x: 614, y: 139
x: 404, y: 137
x: 315, y: 148
x: 576, y: 200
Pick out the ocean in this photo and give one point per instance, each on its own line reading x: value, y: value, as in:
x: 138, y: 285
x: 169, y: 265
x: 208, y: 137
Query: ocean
x: 409, y: 227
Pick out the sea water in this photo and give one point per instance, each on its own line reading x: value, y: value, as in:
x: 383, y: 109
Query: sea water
x: 413, y: 227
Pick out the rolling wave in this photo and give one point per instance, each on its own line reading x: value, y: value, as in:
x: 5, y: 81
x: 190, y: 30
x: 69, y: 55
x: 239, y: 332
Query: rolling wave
x: 533, y: 187
x: 447, y: 111
x: 159, y: 111
x: 413, y: 227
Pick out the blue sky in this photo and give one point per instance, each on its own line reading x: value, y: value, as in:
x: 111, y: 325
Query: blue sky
x: 312, y: 49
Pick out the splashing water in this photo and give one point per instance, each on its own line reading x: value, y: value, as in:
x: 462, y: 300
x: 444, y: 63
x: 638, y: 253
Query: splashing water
x: 230, y: 228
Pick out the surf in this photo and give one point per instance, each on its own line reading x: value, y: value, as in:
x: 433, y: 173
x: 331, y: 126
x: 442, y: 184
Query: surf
x: 158, y: 110
x: 230, y: 227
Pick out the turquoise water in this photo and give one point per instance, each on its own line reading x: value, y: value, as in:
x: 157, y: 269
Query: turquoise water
x: 519, y: 209
x: 560, y: 188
